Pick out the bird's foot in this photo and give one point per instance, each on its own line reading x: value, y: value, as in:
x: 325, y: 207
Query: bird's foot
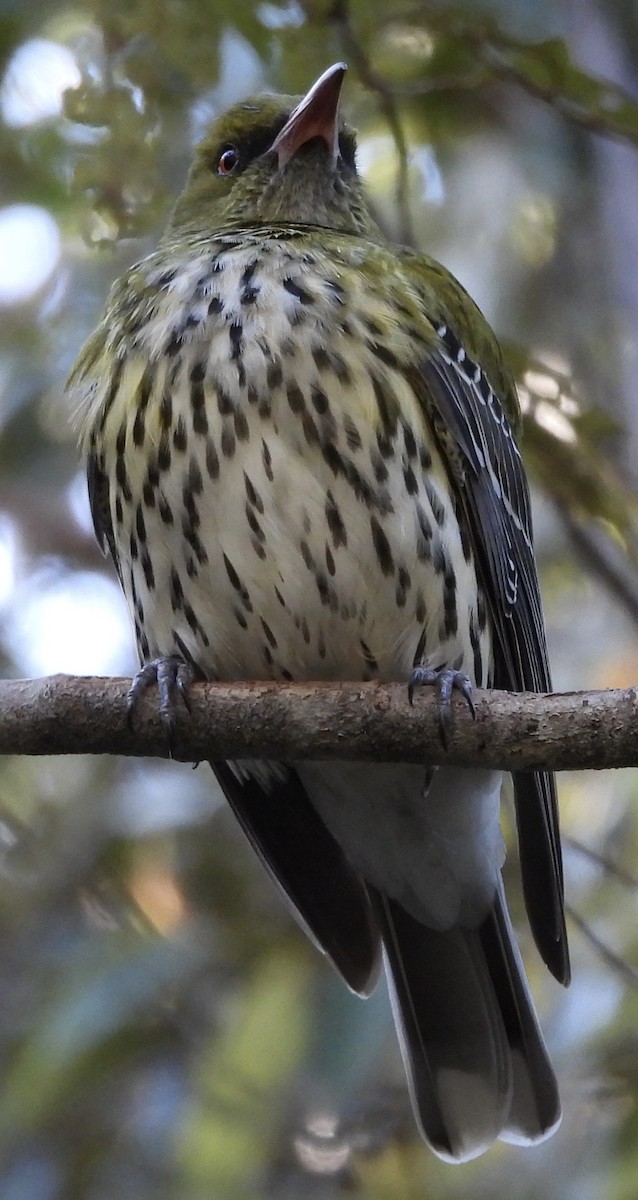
x: 445, y: 680
x: 173, y: 676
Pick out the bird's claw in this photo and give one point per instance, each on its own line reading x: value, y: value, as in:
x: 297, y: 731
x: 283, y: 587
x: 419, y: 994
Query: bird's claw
x: 445, y: 680
x: 173, y: 677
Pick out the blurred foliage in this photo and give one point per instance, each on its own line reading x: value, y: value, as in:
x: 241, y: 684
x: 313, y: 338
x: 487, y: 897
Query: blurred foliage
x: 165, y: 1031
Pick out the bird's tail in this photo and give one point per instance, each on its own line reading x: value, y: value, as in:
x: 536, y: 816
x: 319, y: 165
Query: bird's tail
x: 474, y: 1054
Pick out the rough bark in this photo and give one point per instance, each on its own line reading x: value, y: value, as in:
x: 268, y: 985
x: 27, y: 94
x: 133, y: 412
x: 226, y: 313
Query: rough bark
x: 68, y: 715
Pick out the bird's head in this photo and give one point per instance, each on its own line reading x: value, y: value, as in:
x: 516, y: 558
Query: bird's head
x: 276, y: 160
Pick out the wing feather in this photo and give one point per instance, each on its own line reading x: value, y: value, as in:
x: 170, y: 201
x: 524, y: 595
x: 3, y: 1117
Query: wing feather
x: 487, y: 472
x: 100, y: 503
x: 327, y: 895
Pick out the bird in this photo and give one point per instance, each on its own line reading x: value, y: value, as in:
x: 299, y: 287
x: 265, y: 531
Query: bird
x: 302, y: 459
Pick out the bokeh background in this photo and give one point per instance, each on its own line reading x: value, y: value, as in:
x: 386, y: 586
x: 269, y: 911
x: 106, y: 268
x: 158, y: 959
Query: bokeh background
x: 165, y: 1030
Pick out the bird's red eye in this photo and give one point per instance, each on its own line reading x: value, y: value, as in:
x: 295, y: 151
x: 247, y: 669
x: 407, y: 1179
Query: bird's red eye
x: 228, y: 161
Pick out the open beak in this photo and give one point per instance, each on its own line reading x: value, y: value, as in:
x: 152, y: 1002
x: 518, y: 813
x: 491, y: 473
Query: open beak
x: 317, y: 115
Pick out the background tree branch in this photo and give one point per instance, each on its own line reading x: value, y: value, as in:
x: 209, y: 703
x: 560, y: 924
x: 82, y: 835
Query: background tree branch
x: 64, y: 714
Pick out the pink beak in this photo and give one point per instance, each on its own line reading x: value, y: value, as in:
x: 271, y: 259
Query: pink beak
x: 317, y: 115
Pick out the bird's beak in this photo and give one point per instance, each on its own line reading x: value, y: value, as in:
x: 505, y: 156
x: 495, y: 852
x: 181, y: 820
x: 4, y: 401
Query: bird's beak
x: 317, y: 115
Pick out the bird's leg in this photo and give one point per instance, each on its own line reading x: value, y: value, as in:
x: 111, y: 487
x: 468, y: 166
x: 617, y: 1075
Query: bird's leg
x: 445, y: 680
x: 173, y: 676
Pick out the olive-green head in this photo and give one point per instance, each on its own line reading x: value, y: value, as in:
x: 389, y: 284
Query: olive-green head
x: 276, y: 160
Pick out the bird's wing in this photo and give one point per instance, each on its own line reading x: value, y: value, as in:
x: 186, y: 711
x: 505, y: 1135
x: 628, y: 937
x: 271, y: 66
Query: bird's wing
x: 100, y: 503
x: 328, y: 897
x: 487, y: 474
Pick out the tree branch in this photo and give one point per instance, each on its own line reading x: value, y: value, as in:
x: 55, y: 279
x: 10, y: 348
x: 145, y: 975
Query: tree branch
x: 608, y: 956
x: 68, y: 715
x: 342, y: 19
x: 611, y: 868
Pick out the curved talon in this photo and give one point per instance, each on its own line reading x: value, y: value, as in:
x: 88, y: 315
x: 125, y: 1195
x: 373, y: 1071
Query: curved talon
x: 445, y: 680
x: 173, y: 677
